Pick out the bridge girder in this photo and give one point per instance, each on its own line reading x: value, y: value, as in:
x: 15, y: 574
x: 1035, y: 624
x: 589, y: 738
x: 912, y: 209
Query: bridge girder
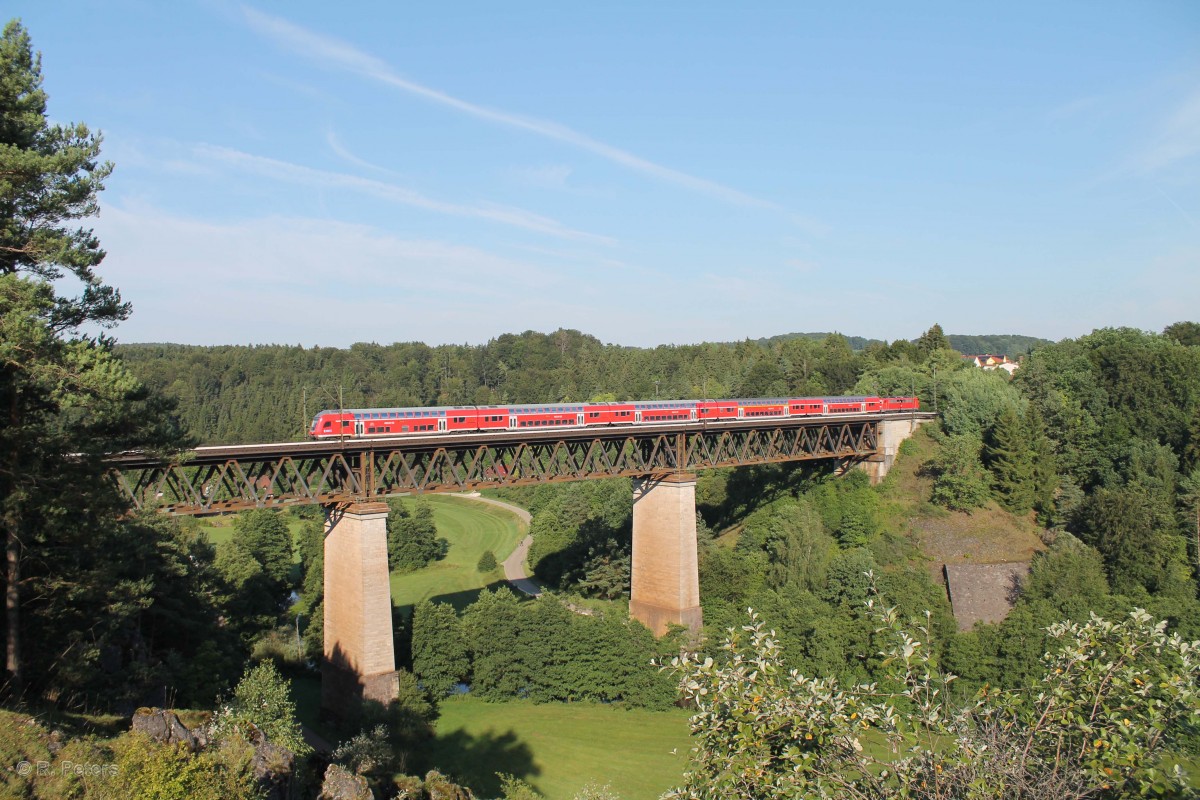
x: 370, y: 470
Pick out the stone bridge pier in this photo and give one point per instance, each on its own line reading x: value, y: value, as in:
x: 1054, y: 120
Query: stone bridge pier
x: 360, y: 659
x: 892, y: 433
x: 665, y: 577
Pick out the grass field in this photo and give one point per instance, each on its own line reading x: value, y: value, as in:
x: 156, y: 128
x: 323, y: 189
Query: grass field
x: 471, y: 528
x: 560, y: 748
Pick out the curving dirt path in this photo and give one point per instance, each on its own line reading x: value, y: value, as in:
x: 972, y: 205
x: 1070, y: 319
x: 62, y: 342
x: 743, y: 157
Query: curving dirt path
x: 514, y: 565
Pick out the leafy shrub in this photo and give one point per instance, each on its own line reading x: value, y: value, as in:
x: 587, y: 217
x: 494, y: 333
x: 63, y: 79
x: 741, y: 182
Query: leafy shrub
x: 1115, y: 696
x: 262, y: 699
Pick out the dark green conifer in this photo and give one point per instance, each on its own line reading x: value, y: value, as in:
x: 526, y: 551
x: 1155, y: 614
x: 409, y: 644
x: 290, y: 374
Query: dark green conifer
x: 1009, y: 455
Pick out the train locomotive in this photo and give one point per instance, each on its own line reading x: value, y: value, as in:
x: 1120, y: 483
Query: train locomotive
x: 391, y: 422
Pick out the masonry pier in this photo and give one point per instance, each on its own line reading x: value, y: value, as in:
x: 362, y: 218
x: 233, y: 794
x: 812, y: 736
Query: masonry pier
x: 665, y: 576
x: 360, y: 661
x: 891, y: 434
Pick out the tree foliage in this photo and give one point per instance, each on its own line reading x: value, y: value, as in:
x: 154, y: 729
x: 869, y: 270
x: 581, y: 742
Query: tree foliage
x: 960, y: 482
x: 1115, y: 696
x: 144, y: 770
x: 68, y: 400
x: 412, y: 536
x: 439, y: 648
x: 51, y: 175
x: 264, y: 534
x: 262, y: 699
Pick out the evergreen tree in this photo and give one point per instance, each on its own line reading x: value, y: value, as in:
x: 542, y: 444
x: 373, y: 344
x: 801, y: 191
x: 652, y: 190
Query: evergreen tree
x: 932, y: 340
x: 51, y: 178
x: 67, y: 400
x: 1009, y: 456
x: 486, y: 563
x: 1134, y: 532
x: 1046, y: 480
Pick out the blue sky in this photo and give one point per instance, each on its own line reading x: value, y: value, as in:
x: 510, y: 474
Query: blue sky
x: 322, y: 173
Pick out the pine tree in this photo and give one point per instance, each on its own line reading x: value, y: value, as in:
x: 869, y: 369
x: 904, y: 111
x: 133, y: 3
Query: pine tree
x: 67, y: 400
x: 1009, y: 455
x: 1045, y: 464
x: 51, y: 178
x: 932, y: 340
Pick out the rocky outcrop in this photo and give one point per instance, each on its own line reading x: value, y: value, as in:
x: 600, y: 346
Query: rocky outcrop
x: 439, y: 787
x: 273, y: 766
x: 164, y: 727
x: 342, y: 784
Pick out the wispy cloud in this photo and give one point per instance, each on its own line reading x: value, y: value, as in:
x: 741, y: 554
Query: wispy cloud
x: 348, y: 57
x: 1179, y: 138
x: 546, y: 176
x: 297, y: 173
x: 335, y: 144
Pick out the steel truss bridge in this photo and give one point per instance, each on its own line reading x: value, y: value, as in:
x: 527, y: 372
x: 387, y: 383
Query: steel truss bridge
x: 214, y: 480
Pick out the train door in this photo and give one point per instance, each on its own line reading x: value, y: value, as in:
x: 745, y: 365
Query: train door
x: 512, y: 423
x: 692, y: 415
x: 579, y: 419
x: 637, y: 416
x: 358, y: 427
x: 741, y: 412
x: 441, y: 424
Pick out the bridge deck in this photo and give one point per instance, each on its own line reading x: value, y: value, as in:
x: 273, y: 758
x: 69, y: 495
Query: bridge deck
x: 212, y: 480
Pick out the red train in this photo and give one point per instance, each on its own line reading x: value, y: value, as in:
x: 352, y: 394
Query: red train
x: 365, y: 422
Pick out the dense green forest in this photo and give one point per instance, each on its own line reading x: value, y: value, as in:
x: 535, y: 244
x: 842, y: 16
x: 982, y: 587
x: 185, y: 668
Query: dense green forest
x: 238, y: 394
x: 1087, y: 689
x: 997, y: 344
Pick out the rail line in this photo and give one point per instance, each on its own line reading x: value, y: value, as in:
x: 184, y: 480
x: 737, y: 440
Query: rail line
x: 220, y: 479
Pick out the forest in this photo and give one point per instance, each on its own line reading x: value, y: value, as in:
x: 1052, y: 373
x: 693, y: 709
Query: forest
x: 160, y: 656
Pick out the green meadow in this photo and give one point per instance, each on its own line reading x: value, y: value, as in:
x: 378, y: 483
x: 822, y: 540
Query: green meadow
x: 559, y: 748
x: 470, y: 528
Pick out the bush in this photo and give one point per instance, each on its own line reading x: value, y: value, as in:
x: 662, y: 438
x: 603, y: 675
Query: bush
x: 263, y: 699
x: 960, y: 482
x: 144, y: 770
x: 487, y: 562
x: 1115, y: 696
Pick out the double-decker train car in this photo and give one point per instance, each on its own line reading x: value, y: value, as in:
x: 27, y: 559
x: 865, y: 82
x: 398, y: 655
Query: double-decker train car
x: 390, y: 422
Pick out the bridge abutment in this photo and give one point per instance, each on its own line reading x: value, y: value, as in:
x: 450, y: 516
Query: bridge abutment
x: 360, y: 661
x: 665, y: 580
x: 892, y: 433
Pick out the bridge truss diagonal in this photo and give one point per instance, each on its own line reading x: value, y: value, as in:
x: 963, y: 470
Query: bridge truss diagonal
x: 217, y: 480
